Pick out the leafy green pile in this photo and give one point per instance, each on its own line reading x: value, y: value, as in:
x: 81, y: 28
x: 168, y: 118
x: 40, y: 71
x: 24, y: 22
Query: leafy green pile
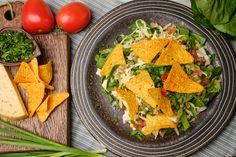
x: 15, y: 46
x: 216, y: 14
x: 19, y: 137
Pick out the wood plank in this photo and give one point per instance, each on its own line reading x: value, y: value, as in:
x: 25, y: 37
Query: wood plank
x: 55, y: 48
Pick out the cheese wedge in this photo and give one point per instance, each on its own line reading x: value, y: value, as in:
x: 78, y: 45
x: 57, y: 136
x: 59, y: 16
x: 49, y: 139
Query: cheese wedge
x: 11, y: 104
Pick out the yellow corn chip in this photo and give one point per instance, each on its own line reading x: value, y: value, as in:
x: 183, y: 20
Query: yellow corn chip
x: 35, y: 93
x: 155, y: 123
x: 130, y: 98
x: 34, y: 66
x: 163, y: 102
x: 178, y: 81
x: 44, y: 106
x: 45, y: 72
x: 25, y: 74
x: 52, y: 101
x: 174, y: 52
x: 140, y: 85
x: 115, y: 58
x: 148, y: 49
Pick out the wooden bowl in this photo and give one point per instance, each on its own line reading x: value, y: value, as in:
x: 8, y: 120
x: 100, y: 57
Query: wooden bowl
x: 36, y: 52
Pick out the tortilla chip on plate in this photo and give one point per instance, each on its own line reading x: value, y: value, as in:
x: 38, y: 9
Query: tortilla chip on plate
x: 35, y: 68
x: 25, y: 74
x: 35, y: 93
x: 178, y: 81
x: 174, y: 52
x: 51, y: 102
x: 130, y: 98
x: 157, y: 122
x: 163, y: 102
x: 115, y: 58
x: 148, y: 49
x: 45, y: 72
x: 140, y: 84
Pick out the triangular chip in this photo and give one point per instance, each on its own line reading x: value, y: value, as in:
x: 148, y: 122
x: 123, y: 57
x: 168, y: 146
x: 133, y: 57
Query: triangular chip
x: 35, y: 93
x: 44, y: 106
x: 148, y: 49
x: 174, y: 52
x: 25, y: 74
x: 140, y: 85
x: 34, y: 67
x: 130, y: 99
x: 178, y: 81
x: 45, y: 72
x: 163, y: 102
x: 115, y: 58
x: 52, y: 101
x: 155, y: 123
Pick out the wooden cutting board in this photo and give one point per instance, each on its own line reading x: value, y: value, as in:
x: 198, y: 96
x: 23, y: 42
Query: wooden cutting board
x: 54, y: 47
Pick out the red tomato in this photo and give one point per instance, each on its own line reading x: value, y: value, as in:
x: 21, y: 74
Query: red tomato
x: 73, y: 17
x: 194, y: 54
x: 37, y: 17
x: 164, y: 92
x: 164, y: 76
x: 171, y: 30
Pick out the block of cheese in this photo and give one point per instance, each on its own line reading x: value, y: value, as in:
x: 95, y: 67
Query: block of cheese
x: 11, y: 104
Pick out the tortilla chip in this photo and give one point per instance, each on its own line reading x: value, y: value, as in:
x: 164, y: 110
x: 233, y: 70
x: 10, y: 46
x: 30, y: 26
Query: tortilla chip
x: 34, y: 67
x: 35, y: 93
x: 44, y: 106
x: 178, y: 81
x: 52, y: 101
x: 130, y: 98
x: 155, y: 123
x: 140, y: 85
x: 45, y: 72
x: 25, y: 74
x: 148, y: 49
x: 174, y: 52
x: 163, y: 102
x: 115, y: 58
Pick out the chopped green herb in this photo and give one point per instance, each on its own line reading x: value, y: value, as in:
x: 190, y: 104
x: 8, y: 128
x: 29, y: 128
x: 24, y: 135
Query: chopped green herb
x: 15, y: 46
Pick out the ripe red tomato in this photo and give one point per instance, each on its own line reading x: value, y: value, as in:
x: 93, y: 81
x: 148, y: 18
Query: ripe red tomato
x: 164, y: 76
x: 73, y: 17
x: 37, y: 17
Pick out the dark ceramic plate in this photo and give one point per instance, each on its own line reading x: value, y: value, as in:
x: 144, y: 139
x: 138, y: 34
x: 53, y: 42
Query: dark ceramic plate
x: 105, y: 122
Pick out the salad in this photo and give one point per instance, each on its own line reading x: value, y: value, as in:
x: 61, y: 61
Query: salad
x: 162, y: 77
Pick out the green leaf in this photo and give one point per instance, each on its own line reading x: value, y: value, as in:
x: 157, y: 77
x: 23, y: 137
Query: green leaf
x: 228, y: 28
x: 184, y: 122
x: 102, y: 56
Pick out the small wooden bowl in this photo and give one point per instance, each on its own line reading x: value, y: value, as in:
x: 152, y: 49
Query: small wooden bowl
x: 36, y: 52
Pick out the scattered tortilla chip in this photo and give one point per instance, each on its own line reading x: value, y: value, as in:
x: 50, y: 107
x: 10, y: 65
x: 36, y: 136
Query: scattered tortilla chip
x: 174, y: 52
x: 163, y: 102
x: 178, y: 81
x: 140, y: 85
x: 52, y: 101
x: 44, y: 106
x: 115, y: 58
x: 34, y: 67
x: 45, y: 72
x: 130, y: 98
x: 148, y: 49
x: 155, y: 123
x: 25, y: 74
x: 35, y: 93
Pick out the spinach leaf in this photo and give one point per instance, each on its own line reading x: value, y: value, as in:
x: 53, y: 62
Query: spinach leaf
x: 101, y: 57
x: 138, y: 134
x: 184, y: 122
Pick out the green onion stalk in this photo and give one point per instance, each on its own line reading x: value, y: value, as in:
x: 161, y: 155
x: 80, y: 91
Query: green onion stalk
x: 45, y: 148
